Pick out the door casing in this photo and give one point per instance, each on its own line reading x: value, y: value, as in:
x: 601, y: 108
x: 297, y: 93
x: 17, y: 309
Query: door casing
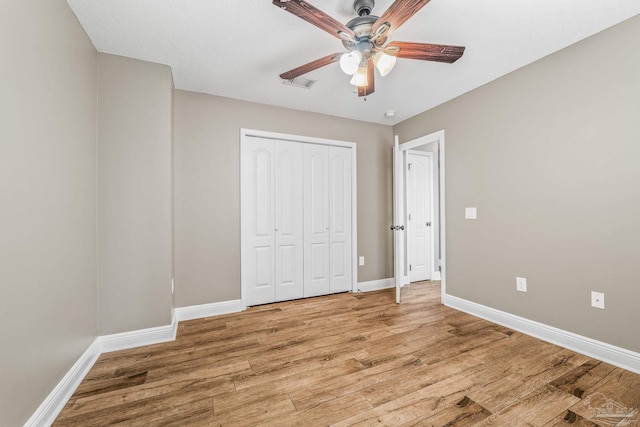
x: 399, y: 208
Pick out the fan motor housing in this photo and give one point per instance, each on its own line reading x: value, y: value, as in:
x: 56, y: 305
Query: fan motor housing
x: 362, y: 26
x: 363, y: 7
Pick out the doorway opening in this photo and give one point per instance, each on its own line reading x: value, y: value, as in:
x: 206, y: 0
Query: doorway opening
x: 418, y: 208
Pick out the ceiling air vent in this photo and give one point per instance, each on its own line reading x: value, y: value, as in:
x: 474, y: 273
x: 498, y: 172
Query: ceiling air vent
x: 300, y: 82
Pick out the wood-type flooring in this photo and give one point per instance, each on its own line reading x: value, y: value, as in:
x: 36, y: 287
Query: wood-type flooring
x: 353, y: 359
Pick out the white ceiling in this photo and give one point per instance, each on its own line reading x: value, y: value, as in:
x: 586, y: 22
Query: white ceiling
x: 237, y: 48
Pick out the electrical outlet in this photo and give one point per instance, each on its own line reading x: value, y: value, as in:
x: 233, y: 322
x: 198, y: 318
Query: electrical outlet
x: 361, y: 261
x: 173, y: 286
x: 597, y: 299
x: 521, y: 284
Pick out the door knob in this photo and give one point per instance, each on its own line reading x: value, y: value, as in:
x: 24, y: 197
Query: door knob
x: 428, y: 224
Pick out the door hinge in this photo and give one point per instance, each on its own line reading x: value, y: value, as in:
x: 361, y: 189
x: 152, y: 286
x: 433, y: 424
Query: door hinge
x: 409, y: 267
x: 409, y: 217
x: 409, y: 166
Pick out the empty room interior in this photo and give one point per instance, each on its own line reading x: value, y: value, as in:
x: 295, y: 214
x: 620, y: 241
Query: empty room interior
x: 400, y: 212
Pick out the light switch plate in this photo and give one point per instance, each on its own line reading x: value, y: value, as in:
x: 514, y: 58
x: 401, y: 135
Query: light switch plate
x: 597, y: 299
x: 470, y: 213
x: 361, y: 260
x: 521, y: 284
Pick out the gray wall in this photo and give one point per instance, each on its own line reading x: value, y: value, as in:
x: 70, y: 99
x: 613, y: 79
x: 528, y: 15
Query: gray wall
x: 207, y: 189
x: 549, y: 155
x: 47, y: 201
x: 135, y: 104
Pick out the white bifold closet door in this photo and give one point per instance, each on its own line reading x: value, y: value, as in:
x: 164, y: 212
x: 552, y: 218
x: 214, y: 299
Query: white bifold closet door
x: 327, y: 219
x: 273, y: 221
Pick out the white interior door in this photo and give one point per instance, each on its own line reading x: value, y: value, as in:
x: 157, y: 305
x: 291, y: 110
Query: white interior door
x: 259, y: 221
x: 398, y: 219
x: 317, y: 279
x: 419, y: 213
x: 340, y: 218
x: 288, y: 227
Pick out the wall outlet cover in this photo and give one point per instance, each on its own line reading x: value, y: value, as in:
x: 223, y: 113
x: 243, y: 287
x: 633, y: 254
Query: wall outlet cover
x: 361, y: 260
x: 597, y: 299
x: 521, y: 284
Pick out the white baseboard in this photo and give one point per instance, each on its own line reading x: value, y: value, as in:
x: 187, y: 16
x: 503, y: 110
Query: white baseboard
x: 47, y: 412
x: 375, y: 285
x: 611, y: 354
x: 436, y: 275
x: 132, y: 339
x: 208, y: 310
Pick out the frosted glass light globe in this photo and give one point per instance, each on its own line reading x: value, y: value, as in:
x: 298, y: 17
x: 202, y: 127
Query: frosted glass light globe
x: 349, y: 62
x: 384, y: 63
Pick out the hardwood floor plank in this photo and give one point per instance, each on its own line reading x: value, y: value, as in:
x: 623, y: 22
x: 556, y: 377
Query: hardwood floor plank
x: 430, y: 400
x: 254, y: 413
x: 614, y: 400
x: 570, y: 419
x: 146, y: 391
x: 314, y: 366
x: 329, y: 411
x: 468, y: 414
x: 524, y: 376
x: 536, y: 409
x: 583, y: 377
x: 417, y: 376
x: 105, y: 385
x: 331, y: 388
x: 130, y: 412
x: 174, y: 415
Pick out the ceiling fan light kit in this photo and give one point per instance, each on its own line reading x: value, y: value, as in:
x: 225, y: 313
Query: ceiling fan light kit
x: 364, y: 37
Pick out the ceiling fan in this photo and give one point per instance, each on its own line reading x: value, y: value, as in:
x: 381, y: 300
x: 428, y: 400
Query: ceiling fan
x: 364, y: 37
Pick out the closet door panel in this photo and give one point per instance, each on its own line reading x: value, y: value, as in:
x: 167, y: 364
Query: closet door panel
x: 259, y: 227
x: 288, y: 221
x: 316, y: 220
x: 340, y: 221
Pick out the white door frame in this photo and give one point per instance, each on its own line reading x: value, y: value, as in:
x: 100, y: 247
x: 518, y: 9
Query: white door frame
x: 400, y: 255
x: 407, y: 250
x: 247, y: 133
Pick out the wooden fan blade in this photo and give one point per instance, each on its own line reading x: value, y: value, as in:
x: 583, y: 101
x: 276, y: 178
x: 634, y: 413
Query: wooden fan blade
x: 370, y: 87
x: 314, y: 16
x: 313, y: 65
x: 425, y: 51
x: 398, y: 13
